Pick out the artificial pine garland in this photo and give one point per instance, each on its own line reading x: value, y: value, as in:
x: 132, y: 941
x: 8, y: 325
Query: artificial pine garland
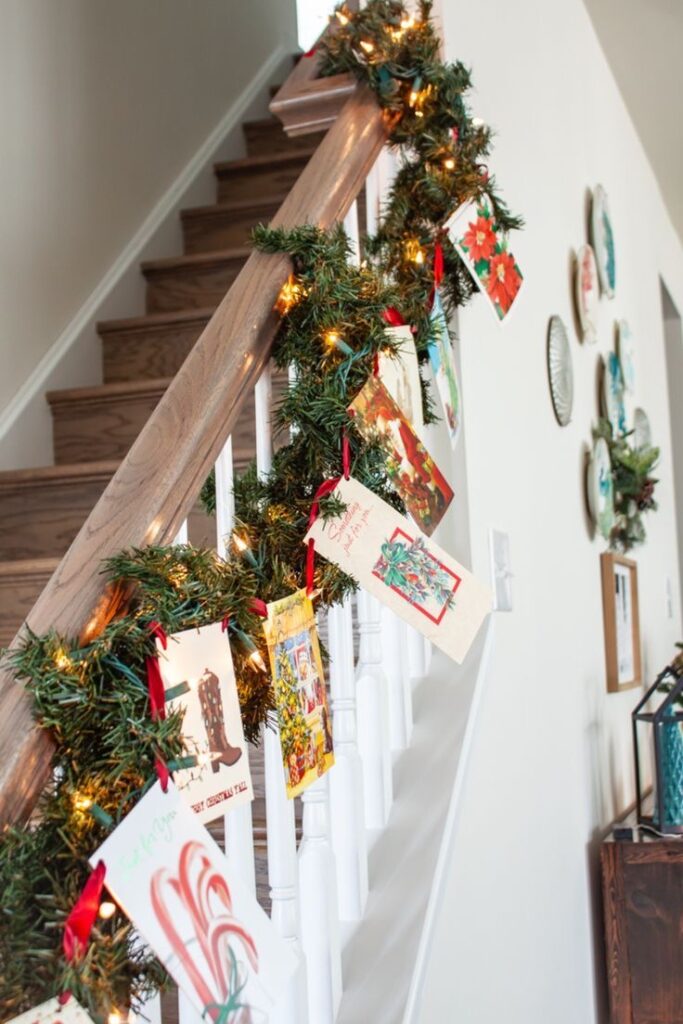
x: 92, y: 695
x: 634, y: 485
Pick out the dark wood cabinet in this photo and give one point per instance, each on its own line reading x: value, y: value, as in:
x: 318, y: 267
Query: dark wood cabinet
x: 643, y: 903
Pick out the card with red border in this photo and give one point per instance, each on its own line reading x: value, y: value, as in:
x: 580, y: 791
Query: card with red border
x: 54, y: 1012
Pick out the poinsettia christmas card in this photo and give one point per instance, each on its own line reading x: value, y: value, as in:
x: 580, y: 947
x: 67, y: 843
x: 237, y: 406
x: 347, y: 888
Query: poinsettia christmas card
x: 399, y: 371
x: 299, y: 687
x: 199, y: 677
x: 442, y: 362
x: 413, y: 473
x: 409, y: 573
x: 484, y: 249
x: 176, y: 886
x: 54, y: 1012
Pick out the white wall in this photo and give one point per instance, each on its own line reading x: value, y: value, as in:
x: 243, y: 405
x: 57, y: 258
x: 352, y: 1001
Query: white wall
x: 519, y: 936
x: 102, y: 104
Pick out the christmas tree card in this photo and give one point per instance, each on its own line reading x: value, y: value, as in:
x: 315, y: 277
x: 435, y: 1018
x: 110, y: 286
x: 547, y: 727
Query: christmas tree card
x: 484, y: 249
x: 442, y: 362
x: 204, y: 925
x: 54, y: 1012
x: 408, y: 573
x: 199, y: 678
x: 399, y: 371
x: 300, y: 696
x: 410, y: 468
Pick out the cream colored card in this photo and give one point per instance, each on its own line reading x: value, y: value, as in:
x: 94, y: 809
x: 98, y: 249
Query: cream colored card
x: 52, y: 1012
x: 197, y: 665
x: 400, y: 373
x: 409, y: 573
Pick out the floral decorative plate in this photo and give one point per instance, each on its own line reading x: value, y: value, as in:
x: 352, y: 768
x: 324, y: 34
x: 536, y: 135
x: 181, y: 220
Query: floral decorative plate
x: 603, y: 241
x: 600, y: 488
x: 627, y: 357
x: 642, y: 434
x: 587, y: 293
x: 560, y: 372
x: 613, y: 394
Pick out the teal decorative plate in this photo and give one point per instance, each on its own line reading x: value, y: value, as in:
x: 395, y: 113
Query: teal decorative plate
x: 613, y: 394
x: 603, y: 241
x: 627, y: 356
x: 600, y: 487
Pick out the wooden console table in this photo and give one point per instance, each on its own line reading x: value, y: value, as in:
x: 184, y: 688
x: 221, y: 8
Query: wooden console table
x: 642, y: 883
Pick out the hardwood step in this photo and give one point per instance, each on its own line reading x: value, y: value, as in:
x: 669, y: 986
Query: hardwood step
x: 42, y: 510
x: 146, y: 347
x: 222, y: 225
x: 20, y: 584
x: 269, y: 174
x: 184, y: 283
x: 268, y: 136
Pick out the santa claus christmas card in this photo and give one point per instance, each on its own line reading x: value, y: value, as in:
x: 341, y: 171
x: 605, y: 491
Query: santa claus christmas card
x: 300, y: 695
x: 442, y: 362
x: 413, y: 473
x: 54, y: 1012
x: 410, y: 574
x: 199, y: 679
x: 206, y: 928
x: 484, y: 249
x: 399, y: 371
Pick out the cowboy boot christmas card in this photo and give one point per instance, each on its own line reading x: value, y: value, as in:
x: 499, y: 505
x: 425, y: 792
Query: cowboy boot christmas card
x: 199, y: 678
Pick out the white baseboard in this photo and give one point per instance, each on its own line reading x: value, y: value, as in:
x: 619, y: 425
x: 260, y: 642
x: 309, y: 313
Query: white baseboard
x: 24, y: 423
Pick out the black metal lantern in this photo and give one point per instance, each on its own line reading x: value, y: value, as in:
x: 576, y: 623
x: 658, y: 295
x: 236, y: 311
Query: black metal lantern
x: 657, y: 721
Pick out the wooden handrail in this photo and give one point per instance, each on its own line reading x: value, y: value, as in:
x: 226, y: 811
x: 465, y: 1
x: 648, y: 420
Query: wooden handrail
x: 157, y: 483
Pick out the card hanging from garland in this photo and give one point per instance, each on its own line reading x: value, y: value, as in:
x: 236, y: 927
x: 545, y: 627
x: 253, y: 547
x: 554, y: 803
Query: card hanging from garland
x: 442, y: 361
x: 55, y: 1011
x: 399, y: 372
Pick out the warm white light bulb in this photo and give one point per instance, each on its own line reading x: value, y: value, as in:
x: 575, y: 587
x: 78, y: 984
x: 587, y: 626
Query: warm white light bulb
x: 107, y: 910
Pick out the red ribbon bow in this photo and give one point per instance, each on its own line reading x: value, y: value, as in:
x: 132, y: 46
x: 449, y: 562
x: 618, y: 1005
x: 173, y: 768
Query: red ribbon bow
x: 79, y: 923
x: 325, y: 488
x: 392, y: 317
x: 259, y: 607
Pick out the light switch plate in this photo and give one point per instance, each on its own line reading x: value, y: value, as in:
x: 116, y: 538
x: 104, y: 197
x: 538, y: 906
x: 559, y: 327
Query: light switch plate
x: 501, y: 572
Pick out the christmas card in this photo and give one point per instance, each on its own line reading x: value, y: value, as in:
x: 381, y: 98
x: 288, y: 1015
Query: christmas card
x: 410, y: 468
x: 442, y: 361
x: 199, y: 679
x: 53, y: 1012
x: 300, y: 697
x: 399, y: 371
x: 206, y: 928
x: 484, y: 249
x: 410, y: 574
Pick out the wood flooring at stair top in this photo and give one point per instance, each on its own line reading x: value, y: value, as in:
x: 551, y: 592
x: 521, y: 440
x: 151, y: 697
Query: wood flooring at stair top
x: 221, y: 225
x: 20, y: 583
x: 197, y: 281
x: 267, y: 136
x: 269, y: 174
x: 149, y: 347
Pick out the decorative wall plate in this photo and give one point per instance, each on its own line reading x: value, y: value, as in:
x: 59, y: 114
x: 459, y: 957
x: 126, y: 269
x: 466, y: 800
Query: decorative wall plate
x: 587, y: 293
x: 613, y: 394
x: 600, y: 488
x: 627, y: 356
x: 603, y: 241
x: 642, y: 433
x: 560, y: 372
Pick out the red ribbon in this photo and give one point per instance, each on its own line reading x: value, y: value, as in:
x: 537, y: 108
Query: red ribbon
x: 392, y: 317
x: 155, y: 684
x: 225, y: 624
x: 163, y: 774
x: 79, y: 923
x: 259, y: 607
x: 346, y: 455
x: 158, y: 631
x: 438, y: 264
x: 64, y: 997
x: 325, y: 488
x: 309, y: 53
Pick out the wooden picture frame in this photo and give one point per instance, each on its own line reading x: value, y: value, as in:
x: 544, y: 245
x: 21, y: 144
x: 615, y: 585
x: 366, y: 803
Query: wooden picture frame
x: 621, y: 621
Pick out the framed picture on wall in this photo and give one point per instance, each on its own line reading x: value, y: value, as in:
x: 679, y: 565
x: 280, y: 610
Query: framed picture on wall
x: 621, y: 622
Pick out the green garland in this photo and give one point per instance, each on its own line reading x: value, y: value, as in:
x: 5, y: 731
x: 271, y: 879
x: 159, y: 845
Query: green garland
x: 634, y: 485
x: 92, y: 694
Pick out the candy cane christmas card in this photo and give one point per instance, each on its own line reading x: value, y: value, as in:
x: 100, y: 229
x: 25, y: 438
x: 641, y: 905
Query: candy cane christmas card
x: 54, y: 1012
x: 176, y: 886
x: 413, y: 576
x: 198, y: 674
x: 442, y: 362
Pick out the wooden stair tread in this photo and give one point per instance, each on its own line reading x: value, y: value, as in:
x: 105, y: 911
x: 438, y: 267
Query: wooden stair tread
x: 115, y: 390
x: 247, y: 163
x: 235, y: 206
x: 45, y: 475
x: 149, y: 321
x: 194, y: 259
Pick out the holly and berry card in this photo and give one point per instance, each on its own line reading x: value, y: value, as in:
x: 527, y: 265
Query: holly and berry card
x: 408, y: 573
x: 300, y: 695
x: 176, y: 886
x: 484, y: 249
x: 442, y: 362
x: 54, y: 1012
x: 410, y: 468
x: 199, y: 679
x: 399, y: 371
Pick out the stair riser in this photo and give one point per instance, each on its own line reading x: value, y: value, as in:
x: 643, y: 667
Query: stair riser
x: 267, y: 137
x: 224, y: 229
x: 235, y: 185
x: 40, y: 521
x: 146, y: 355
x: 92, y: 431
x: 169, y: 291
x: 17, y: 597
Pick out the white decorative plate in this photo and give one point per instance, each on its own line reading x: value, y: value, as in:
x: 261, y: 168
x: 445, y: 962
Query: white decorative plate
x: 600, y: 488
x: 603, y: 241
x: 642, y: 434
x: 627, y: 356
x: 613, y: 394
x: 560, y: 372
x: 587, y: 293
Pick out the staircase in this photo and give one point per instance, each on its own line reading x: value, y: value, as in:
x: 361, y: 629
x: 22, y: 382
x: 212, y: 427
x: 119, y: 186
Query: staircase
x: 42, y: 510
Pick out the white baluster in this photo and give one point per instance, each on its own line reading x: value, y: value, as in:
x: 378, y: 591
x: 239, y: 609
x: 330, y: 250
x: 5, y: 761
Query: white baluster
x: 347, y: 820
x: 395, y: 660
x: 373, y: 715
x: 238, y: 825
x: 416, y: 654
x: 352, y: 230
x: 181, y: 535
